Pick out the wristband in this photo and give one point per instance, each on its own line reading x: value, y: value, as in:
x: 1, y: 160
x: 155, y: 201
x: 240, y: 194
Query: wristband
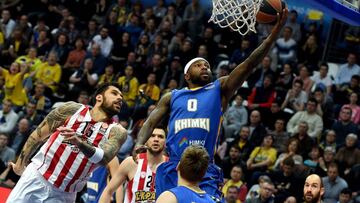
x: 97, y: 156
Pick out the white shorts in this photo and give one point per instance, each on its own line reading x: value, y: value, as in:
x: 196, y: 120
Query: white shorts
x: 32, y: 187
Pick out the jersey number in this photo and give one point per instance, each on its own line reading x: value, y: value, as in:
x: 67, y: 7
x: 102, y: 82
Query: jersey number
x: 192, y: 105
x: 148, y: 183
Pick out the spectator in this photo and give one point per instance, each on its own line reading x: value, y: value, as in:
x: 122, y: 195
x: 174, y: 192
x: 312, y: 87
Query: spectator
x: 134, y: 29
x: 281, y: 137
x: 235, y: 117
x: 355, y: 108
x: 285, y: 47
x: 172, y: 17
x: 121, y: 50
x: 150, y: 29
x: 89, y: 33
x: 42, y: 102
x: 333, y: 184
x: 295, y: 98
x: 49, y: 73
x: 30, y: 59
x: 236, y: 176
x: 108, y: 76
x: 349, y: 155
x: 84, y: 79
x: 286, y: 182
x: 243, y: 142
x: 314, y: 158
x: 293, y: 146
x: 257, y: 78
x: 14, y: 47
x: 8, y: 117
x: 325, y: 107
x: 330, y: 140
x: 14, y: 88
x: 142, y: 49
x: 76, y: 56
x: 262, y: 97
x: 61, y: 48
x: 7, y: 23
x: 129, y: 86
x: 344, y: 126
x: 30, y: 114
x: 276, y: 114
x: 306, y: 142
x: 233, y: 159
x: 99, y: 60
x: 295, y: 26
x: 257, y: 129
x: 345, y: 196
x: 304, y: 75
x: 165, y: 32
x: 310, y: 53
x: 322, y: 79
x: 325, y: 161
x: 346, y: 71
x: 104, y: 41
x: 342, y: 95
x: 310, y: 116
x: 157, y: 47
x: 156, y: 67
x: 173, y: 71
x: 231, y: 195
x: 6, y: 153
x: 193, y: 18
x: 266, y: 192
x: 284, y: 81
x: 19, y: 138
x: 240, y: 54
x: 42, y: 43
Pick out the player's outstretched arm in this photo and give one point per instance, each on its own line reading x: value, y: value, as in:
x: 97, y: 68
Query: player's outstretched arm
x: 234, y: 81
x: 51, y: 122
x: 167, y: 197
x: 117, y: 179
x: 155, y: 117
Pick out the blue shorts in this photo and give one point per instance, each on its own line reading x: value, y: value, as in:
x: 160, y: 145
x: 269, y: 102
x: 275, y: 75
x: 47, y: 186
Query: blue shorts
x: 166, y: 178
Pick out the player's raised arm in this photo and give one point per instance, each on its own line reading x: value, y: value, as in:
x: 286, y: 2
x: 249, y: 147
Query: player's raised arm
x: 117, y: 179
x: 51, y: 122
x: 234, y: 81
x: 154, y: 118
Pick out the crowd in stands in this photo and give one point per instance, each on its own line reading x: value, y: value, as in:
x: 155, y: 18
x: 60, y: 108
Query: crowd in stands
x: 292, y: 118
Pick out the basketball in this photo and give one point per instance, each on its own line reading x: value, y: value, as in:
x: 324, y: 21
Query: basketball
x: 268, y: 10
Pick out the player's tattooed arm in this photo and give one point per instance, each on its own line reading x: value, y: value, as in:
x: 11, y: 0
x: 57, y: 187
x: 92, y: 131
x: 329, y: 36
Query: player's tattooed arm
x: 236, y: 78
x: 117, y: 137
x: 161, y: 110
x: 52, y: 121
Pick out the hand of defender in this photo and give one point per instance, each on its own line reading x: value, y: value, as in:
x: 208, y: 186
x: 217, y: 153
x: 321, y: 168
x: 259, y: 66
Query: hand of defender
x: 137, y: 150
x: 281, y: 20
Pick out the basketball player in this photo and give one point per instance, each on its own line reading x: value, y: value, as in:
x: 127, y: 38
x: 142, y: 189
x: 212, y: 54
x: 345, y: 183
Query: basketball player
x: 195, y: 113
x: 191, y: 169
x: 140, y: 176
x: 78, y: 138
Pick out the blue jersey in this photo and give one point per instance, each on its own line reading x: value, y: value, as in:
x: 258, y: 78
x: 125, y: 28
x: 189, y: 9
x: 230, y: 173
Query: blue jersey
x: 186, y: 195
x: 195, y: 119
x: 96, y: 184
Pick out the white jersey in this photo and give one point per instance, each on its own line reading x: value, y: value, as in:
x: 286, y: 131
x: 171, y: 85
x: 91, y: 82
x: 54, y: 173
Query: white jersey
x: 142, y: 187
x: 61, y: 163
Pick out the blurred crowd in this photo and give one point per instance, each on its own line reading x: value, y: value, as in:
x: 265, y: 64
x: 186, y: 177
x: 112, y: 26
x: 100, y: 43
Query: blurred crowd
x: 290, y: 119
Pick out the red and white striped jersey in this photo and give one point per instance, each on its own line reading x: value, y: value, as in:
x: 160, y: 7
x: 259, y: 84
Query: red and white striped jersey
x: 142, y: 187
x: 61, y: 163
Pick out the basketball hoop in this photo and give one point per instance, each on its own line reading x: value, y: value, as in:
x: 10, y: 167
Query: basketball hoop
x: 239, y: 15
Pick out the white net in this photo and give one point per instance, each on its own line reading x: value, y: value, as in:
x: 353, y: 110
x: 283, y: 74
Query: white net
x: 239, y: 15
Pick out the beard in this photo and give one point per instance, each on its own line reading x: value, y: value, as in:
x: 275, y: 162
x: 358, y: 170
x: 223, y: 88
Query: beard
x: 200, y: 80
x: 109, y: 109
x: 155, y: 152
x: 311, y: 198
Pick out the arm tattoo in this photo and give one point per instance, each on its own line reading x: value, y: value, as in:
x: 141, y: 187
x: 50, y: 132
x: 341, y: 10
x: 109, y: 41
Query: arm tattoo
x: 53, y: 120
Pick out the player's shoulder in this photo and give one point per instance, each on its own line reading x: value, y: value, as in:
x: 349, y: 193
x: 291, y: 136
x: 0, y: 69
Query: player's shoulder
x: 69, y: 107
x: 117, y: 128
x: 167, y: 197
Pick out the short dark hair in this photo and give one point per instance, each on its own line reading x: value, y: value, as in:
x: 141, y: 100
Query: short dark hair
x: 289, y: 161
x: 101, y: 89
x: 325, y: 64
x: 313, y: 100
x: 346, y: 191
x: 194, y: 163
x: 299, y: 81
x: 236, y: 146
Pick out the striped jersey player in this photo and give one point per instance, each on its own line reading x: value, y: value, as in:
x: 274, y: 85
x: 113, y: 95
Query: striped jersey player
x: 77, y: 139
x: 140, y: 176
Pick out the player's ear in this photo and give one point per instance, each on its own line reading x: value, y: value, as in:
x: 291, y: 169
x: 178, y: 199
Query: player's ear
x: 187, y: 76
x: 99, y: 98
